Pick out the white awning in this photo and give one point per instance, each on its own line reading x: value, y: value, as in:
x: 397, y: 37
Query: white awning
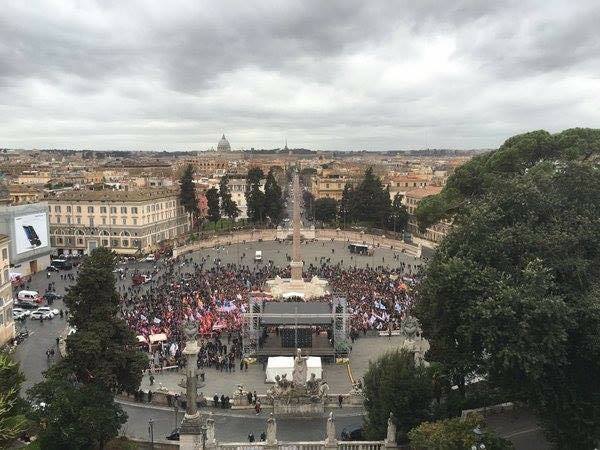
x: 157, y: 337
x: 279, y: 365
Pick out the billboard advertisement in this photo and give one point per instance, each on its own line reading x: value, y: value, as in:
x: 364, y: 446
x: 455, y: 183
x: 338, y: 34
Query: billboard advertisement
x: 31, y: 232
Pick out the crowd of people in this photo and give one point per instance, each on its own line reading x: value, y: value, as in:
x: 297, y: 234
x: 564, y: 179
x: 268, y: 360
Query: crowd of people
x: 217, y: 296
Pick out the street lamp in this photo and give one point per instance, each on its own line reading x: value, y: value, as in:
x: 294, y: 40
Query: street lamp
x: 479, y: 445
x: 151, y: 432
x: 203, y: 436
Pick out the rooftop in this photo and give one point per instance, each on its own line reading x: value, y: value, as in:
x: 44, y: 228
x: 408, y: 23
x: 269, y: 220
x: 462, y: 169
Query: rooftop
x: 138, y: 195
x: 424, y: 192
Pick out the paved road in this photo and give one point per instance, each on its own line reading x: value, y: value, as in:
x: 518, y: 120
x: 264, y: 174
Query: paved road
x: 234, y: 426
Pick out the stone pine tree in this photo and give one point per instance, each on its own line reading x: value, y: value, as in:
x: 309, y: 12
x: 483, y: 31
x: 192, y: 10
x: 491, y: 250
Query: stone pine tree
x: 102, y: 360
x: 229, y: 208
x: 187, y: 193
x: 214, y: 207
x: 255, y: 197
x: 273, y: 199
x: 513, y: 291
x: 326, y: 209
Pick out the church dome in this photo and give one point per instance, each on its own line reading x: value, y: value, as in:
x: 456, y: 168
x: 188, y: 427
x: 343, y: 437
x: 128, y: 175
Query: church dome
x: 223, y: 145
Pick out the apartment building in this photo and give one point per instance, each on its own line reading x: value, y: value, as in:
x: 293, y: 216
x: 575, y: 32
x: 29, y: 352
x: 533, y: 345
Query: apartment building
x: 21, y: 194
x: 125, y: 221
x: 33, y: 177
x: 435, y: 232
x: 7, y: 324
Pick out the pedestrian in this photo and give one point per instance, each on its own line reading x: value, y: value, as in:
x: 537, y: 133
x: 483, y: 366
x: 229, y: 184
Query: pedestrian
x: 255, y: 399
x: 257, y: 407
x: 149, y: 396
x: 263, y: 436
x: 202, y: 376
x: 216, y: 400
x: 251, y: 437
x: 249, y: 397
x: 151, y: 379
x: 57, y: 341
x: 340, y: 400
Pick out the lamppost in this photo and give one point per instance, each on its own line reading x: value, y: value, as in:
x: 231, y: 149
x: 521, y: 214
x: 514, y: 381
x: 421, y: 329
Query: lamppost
x: 204, y: 436
x: 479, y: 445
x: 151, y: 432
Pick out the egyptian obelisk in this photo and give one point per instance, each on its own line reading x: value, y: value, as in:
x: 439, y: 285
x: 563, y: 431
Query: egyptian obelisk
x: 296, y: 264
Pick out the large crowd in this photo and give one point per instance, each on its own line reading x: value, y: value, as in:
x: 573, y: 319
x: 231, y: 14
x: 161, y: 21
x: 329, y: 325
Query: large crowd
x: 217, y: 296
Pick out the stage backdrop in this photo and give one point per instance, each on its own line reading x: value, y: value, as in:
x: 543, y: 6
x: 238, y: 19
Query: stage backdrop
x: 278, y: 365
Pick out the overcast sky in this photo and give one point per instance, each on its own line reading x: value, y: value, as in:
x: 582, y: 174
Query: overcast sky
x: 374, y: 75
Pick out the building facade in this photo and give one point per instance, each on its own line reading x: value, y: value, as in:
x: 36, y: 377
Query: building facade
x: 127, y: 222
x: 434, y: 233
x: 7, y: 324
x: 27, y: 229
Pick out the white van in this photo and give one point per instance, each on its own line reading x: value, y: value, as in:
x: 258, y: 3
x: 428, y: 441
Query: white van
x: 258, y: 255
x: 29, y: 296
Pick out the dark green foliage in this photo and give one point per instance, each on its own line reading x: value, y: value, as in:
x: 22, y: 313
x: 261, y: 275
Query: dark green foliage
x: 75, y: 416
x: 398, y: 214
x: 12, y: 407
x: 228, y: 207
x: 187, y: 191
x: 273, y: 199
x: 255, y: 198
x: 103, y: 350
x: 514, y: 291
x: 309, y: 204
x: 325, y: 209
x: 214, y: 206
x: 346, y: 205
x: 393, y: 384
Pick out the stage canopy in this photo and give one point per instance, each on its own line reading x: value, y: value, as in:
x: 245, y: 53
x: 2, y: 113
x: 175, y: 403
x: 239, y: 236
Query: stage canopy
x: 278, y: 365
x: 287, y: 310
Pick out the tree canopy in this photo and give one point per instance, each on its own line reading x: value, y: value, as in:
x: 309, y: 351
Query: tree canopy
x: 214, y: 206
x: 12, y: 409
x: 273, y: 199
x: 513, y: 292
x: 325, y: 210
x: 393, y: 384
x: 187, y: 191
x: 229, y: 208
x: 255, y: 198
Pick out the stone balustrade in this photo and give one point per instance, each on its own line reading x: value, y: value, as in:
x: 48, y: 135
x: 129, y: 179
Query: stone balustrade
x: 204, y: 438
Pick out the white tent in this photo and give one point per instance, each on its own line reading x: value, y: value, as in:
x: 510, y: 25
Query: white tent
x: 279, y: 365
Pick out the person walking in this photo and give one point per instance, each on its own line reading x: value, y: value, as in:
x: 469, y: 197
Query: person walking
x: 251, y: 437
x: 340, y: 400
x: 257, y: 407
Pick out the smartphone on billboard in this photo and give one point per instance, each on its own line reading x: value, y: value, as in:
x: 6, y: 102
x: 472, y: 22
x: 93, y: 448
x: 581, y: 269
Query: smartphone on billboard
x: 33, y: 237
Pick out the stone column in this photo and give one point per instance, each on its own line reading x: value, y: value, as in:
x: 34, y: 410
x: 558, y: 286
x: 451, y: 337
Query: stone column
x: 296, y: 264
x: 190, y: 434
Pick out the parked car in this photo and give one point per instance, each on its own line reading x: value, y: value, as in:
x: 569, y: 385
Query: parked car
x: 61, y: 264
x: 37, y: 315
x: 150, y: 257
x: 52, y: 268
x: 18, y: 316
x: 173, y: 436
x: 26, y: 304
x: 51, y: 296
x: 22, y: 311
x: 48, y: 310
x: 352, y: 434
x: 30, y: 296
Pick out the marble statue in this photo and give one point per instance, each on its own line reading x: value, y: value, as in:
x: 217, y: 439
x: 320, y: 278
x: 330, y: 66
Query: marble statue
x: 410, y: 328
x: 300, y: 369
x: 271, y: 430
x: 312, y: 385
x: 330, y: 429
x: 323, y: 389
x: 210, y: 429
x: 391, y: 429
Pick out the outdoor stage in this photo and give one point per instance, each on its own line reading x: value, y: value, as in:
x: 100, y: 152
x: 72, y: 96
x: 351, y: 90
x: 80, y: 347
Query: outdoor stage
x: 272, y: 346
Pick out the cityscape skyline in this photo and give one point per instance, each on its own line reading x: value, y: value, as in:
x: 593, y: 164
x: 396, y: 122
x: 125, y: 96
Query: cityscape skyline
x: 342, y: 76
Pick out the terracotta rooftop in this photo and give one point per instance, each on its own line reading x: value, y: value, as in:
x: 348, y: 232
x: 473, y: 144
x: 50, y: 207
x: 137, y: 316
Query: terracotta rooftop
x: 424, y: 192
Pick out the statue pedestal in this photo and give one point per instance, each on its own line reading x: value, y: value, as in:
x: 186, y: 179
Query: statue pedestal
x: 295, y: 408
x: 190, y: 433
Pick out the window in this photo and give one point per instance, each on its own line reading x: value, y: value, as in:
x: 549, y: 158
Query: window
x: 115, y: 242
x: 123, y: 209
x: 6, y: 276
x: 59, y: 240
x: 78, y: 209
x: 79, y: 220
x: 104, y: 221
x: 57, y: 219
x: 90, y: 210
x: 124, y: 221
x: 69, y: 220
x: 114, y: 221
x: 91, y: 221
x: 134, y: 210
x: 79, y: 241
x: 68, y: 209
x: 113, y: 209
x: 125, y: 243
x: 4, y: 253
x: 104, y: 242
x: 103, y: 210
x: 134, y: 221
x: 57, y: 209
